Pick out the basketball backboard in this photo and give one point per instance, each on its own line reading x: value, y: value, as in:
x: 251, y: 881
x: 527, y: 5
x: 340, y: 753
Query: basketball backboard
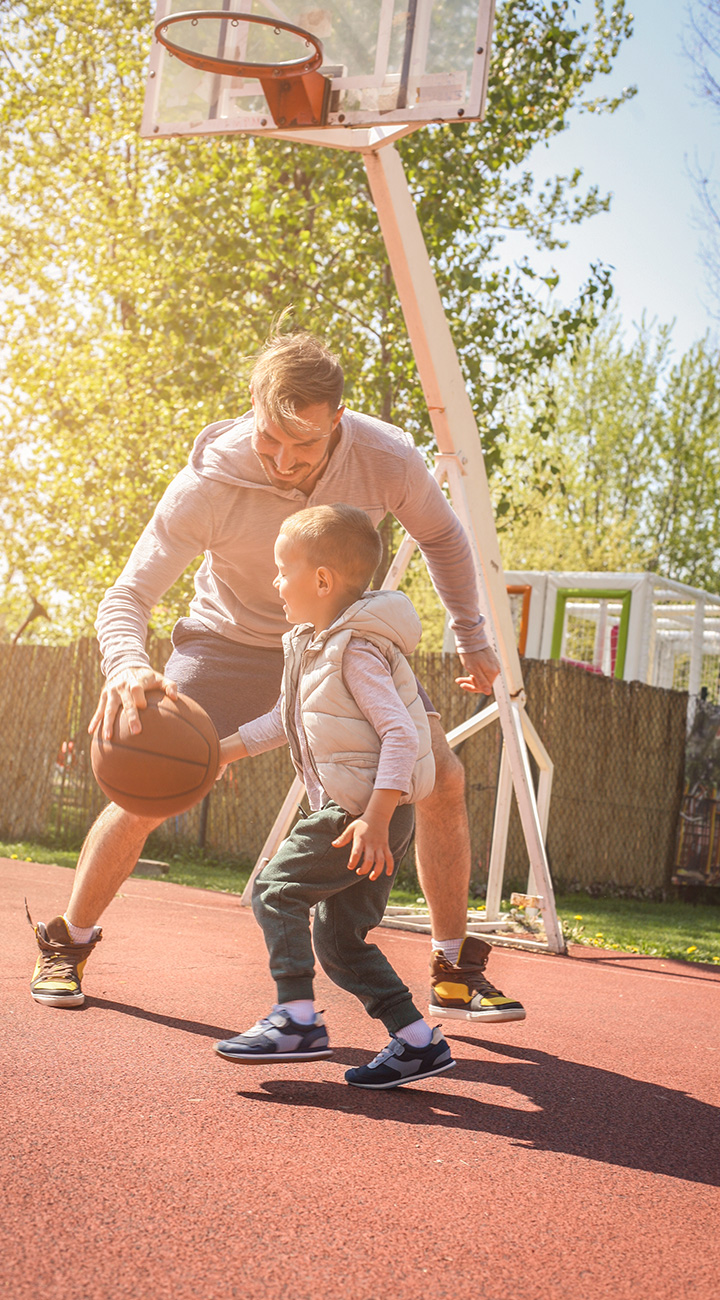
x: 385, y: 62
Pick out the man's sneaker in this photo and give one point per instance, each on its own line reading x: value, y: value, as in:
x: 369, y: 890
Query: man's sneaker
x: 400, y: 1063
x: 277, y: 1038
x: 462, y: 992
x: 60, y: 965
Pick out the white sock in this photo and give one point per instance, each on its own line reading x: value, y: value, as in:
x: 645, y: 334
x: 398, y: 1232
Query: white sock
x: 78, y: 933
x: 450, y: 948
x: 302, y: 1011
x: 418, y: 1034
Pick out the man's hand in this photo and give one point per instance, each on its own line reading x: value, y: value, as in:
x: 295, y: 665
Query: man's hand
x: 481, y: 667
x: 126, y: 691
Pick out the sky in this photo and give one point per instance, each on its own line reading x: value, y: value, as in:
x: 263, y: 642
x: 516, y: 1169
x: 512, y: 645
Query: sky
x: 643, y: 154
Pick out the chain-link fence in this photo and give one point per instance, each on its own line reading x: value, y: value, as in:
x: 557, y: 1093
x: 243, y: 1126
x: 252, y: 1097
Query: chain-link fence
x: 618, y: 749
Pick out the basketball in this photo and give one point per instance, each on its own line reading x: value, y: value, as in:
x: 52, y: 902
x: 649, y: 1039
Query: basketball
x: 165, y: 769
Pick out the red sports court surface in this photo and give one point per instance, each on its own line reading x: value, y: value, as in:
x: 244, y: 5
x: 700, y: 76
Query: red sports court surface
x: 575, y: 1154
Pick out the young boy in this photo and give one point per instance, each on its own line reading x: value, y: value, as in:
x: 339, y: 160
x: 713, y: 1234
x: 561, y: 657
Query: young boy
x: 360, y: 741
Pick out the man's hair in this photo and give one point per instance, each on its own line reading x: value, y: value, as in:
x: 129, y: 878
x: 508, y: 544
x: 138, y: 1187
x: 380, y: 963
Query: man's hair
x: 294, y: 371
x: 341, y: 538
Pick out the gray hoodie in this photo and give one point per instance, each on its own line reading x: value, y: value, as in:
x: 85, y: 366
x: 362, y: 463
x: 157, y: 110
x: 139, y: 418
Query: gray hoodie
x: 221, y: 506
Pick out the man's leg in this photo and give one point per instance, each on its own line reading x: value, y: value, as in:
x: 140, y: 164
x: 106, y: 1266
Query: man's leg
x: 233, y: 683
x: 108, y: 856
x: 442, y: 842
x: 442, y: 852
x: 112, y: 847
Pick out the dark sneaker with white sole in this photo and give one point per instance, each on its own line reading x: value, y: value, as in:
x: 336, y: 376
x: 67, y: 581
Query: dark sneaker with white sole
x: 400, y: 1063
x: 461, y: 991
x: 277, y: 1037
x: 57, y: 978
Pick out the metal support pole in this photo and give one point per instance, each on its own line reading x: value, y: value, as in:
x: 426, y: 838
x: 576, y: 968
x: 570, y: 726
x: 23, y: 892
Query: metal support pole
x: 498, y: 847
x: 458, y: 438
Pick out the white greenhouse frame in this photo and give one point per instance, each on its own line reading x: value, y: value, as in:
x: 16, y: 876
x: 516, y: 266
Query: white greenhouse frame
x: 664, y: 622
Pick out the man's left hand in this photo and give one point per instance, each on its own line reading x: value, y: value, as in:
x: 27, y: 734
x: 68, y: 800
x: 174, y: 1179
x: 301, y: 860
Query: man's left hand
x: 481, y: 668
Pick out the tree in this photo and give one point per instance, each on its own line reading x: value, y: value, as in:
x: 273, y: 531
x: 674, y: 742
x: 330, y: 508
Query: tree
x: 139, y: 274
x: 704, y: 51
x: 629, y: 476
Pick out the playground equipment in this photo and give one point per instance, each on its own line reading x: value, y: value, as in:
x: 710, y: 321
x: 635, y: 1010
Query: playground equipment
x: 385, y: 68
x: 632, y: 626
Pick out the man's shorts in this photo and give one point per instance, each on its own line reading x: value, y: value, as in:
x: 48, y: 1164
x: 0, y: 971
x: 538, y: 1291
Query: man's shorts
x: 232, y: 682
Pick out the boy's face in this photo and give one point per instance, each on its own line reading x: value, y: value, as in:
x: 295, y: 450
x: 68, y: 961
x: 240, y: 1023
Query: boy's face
x: 296, y: 459
x: 298, y: 583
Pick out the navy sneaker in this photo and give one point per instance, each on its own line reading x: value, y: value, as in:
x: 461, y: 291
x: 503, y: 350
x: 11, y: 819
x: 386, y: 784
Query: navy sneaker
x: 277, y: 1037
x: 400, y: 1063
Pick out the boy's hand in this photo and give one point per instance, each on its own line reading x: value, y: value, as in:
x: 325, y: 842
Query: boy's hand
x: 370, y: 846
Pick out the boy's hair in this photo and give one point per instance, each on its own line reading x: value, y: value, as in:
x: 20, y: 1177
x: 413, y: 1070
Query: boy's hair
x: 294, y: 371
x: 341, y: 538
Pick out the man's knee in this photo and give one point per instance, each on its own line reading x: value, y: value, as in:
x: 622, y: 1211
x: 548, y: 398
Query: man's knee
x: 124, y: 823
x: 449, y: 771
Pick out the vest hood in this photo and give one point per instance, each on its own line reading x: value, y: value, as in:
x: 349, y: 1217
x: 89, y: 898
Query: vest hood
x: 387, y: 614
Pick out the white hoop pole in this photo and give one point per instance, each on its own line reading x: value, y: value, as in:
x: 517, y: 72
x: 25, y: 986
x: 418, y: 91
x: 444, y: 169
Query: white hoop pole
x: 458, y: 438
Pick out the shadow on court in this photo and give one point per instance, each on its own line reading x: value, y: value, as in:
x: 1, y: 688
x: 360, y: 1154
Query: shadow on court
x: 577, y: 1110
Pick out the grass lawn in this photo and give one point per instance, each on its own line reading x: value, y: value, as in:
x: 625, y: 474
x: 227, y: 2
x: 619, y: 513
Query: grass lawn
x: 674, y: 929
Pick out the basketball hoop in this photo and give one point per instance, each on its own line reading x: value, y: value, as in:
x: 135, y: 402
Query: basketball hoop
x: 296, y: 93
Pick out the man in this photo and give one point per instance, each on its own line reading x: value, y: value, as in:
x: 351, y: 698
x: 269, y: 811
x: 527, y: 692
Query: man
x: 297, y: 447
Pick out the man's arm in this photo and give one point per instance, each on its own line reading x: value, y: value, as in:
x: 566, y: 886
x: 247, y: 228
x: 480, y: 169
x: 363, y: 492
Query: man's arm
x: 429, y: 518
x: 179, y: 531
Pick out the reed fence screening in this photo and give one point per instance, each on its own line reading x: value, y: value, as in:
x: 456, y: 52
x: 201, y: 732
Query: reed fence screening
x: 618, y: 749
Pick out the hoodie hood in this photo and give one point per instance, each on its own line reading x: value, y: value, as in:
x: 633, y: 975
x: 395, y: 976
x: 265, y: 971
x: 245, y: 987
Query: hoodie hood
x: 224, y: 452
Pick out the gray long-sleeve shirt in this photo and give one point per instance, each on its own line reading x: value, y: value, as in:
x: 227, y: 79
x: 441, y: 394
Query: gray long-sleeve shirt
x: 221, y: 506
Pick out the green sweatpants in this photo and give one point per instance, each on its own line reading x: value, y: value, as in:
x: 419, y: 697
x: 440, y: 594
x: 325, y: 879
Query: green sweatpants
x: 308, y: 872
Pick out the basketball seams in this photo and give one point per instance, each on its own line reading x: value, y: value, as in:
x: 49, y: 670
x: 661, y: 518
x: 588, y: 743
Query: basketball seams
x: 167, y: 767
x: 158, y: 753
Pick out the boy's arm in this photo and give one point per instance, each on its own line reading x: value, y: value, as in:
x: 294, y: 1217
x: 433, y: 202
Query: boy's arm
x: 368, y: 678
x: 254, y: 737
x: 231, y: 749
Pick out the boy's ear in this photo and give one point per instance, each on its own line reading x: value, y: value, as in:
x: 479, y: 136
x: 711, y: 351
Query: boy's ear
x: 324, y: 581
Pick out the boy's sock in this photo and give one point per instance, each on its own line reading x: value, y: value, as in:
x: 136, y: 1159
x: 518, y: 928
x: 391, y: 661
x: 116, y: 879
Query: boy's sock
x: 78, y: 933
x: 450, y: 948
x: 302, y: 1011
x: 418, y: 1034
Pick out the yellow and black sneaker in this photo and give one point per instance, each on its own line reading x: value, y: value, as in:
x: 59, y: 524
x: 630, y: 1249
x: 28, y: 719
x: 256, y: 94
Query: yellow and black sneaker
x: 461, y: 992
x: 60, y: 964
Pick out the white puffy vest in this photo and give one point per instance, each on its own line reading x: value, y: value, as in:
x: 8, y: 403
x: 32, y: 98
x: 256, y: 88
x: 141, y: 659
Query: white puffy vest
x: 344, y: 747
